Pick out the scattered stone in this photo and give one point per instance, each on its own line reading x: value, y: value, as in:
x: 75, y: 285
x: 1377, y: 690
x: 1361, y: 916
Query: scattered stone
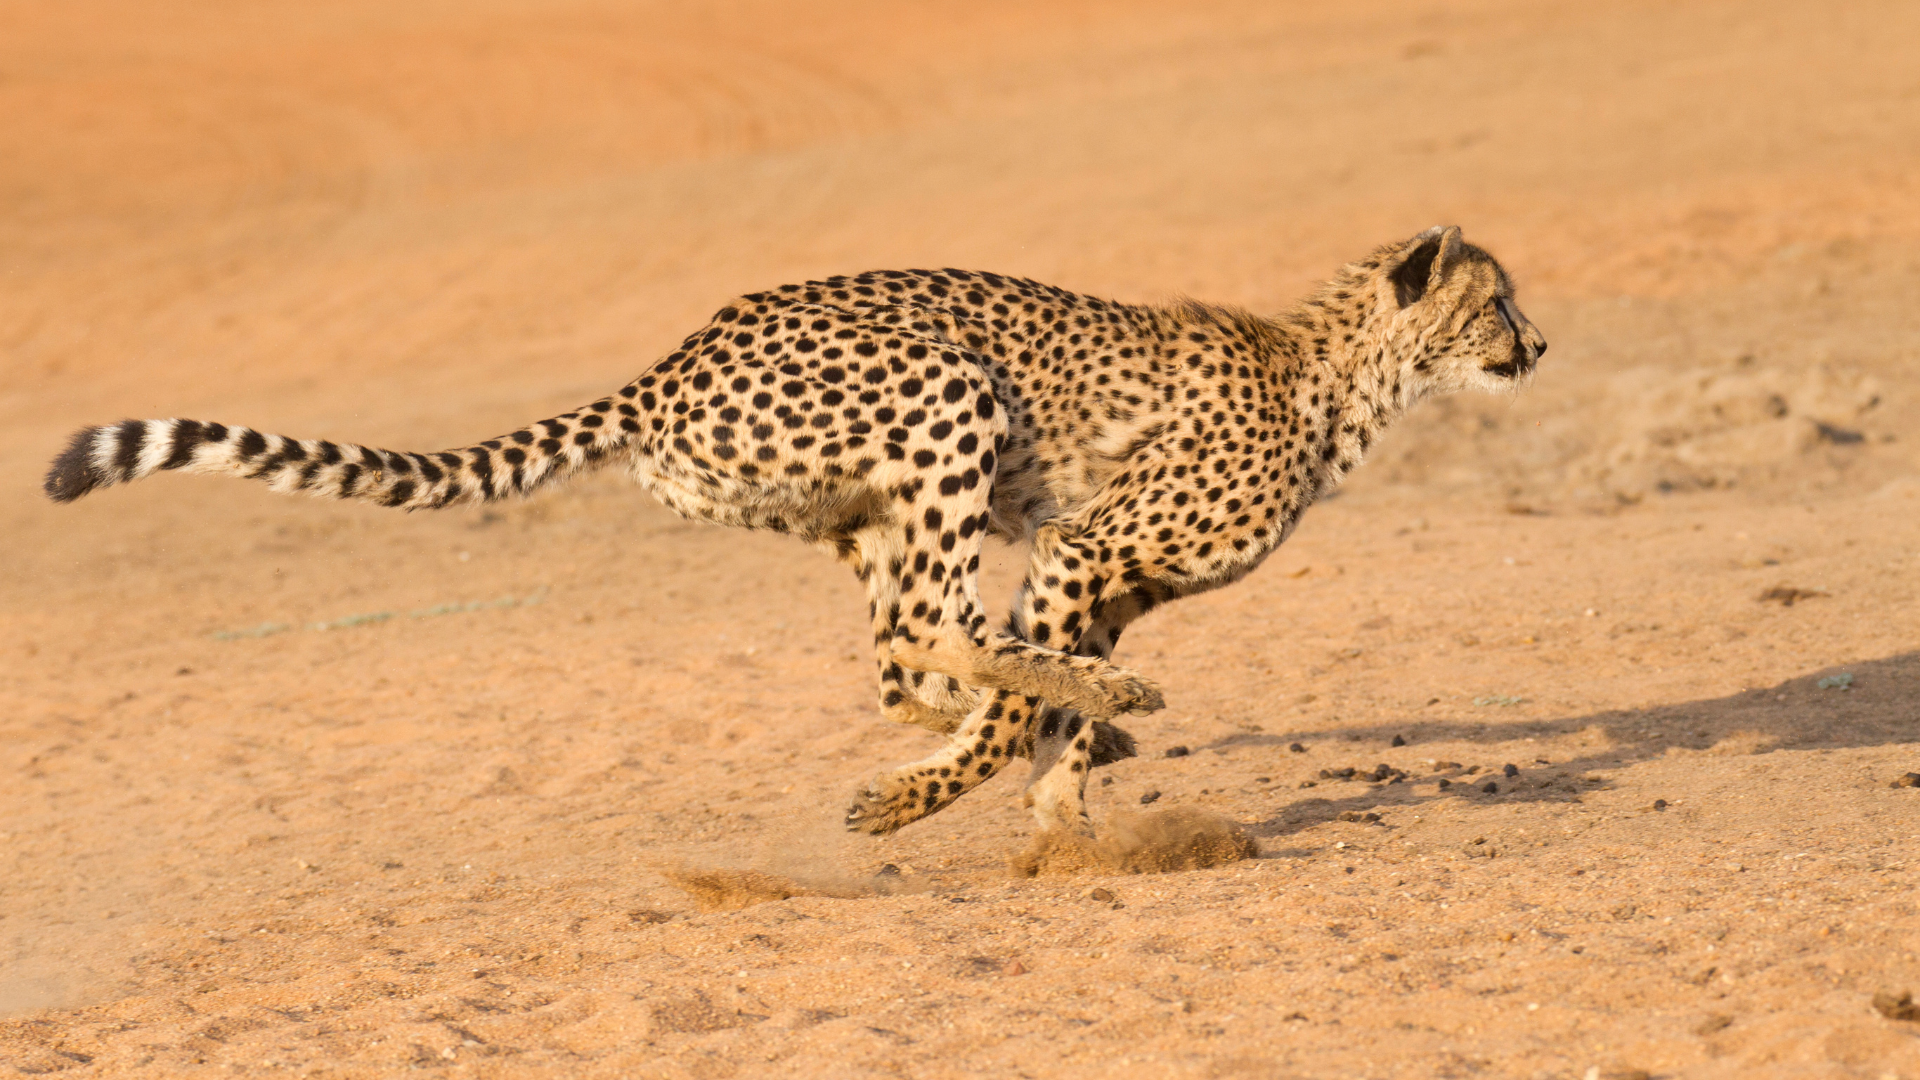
x: 1786, y: 595
x: 1716, y: 1022
x: 1149, y: 797
x: 1355, y: 815
x: 1296, y: 748
x: 1263, y: 779
x: 1510, y: 770
x: 1106, y: 781
x: 1100, y: 896
x: 1490, y: 788
x: 1912, y: 779
x: 1659, y: 804
x: 1838, y: 436
x: 1471, y: 769
x: 1178, y: 751
x: 1445, y: 766
x: 1842, y: 681
x: 1893, y: 1007
x: 1445, y: 783
x: 889, y: 870
x: 1399, y: 740
x: 1309, y: 783
x: 1015, y: 967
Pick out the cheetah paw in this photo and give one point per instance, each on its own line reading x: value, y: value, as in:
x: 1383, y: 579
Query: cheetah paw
x: 1132, y: 694
x: 1059, y: 808
x: 883, y: 806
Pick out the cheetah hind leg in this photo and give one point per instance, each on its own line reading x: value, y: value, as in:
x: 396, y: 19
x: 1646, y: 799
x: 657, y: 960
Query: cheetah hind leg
x: 982, y: 747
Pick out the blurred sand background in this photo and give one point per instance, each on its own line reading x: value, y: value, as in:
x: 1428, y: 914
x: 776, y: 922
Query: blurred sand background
x: 295, y: 788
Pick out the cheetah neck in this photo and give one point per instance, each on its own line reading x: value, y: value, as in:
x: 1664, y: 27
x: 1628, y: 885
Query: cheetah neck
x: 1348, y: 384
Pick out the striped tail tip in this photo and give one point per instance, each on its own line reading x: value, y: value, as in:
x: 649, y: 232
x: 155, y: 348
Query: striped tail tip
x: 74, y: 473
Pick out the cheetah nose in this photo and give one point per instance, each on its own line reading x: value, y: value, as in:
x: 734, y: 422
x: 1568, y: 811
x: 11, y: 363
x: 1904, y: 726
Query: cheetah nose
x: 1540, y: 348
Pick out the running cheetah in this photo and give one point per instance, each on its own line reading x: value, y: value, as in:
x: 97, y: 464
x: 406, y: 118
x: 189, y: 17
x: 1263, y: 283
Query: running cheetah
x: 898, y: 418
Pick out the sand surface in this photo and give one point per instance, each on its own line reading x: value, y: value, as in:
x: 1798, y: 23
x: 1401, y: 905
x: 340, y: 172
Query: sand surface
x: 296, y: 788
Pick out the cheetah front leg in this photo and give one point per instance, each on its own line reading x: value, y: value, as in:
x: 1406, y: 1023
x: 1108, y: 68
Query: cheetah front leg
x: 1066, y: 746
x: 1068, y: 598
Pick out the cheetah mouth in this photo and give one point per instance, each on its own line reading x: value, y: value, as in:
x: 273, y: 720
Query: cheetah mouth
x: 1519, y: 364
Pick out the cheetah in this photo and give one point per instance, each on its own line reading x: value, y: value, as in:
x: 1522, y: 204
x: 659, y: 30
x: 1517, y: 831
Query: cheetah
x: 896, y: 419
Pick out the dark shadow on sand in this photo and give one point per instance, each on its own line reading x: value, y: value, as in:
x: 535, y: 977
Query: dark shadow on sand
x: 1881, y: 707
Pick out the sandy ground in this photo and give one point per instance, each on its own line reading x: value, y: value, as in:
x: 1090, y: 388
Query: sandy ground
x: 299, y: 788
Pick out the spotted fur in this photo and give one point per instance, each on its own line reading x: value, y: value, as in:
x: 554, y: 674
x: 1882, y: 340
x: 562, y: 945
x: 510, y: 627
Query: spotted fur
x: 898, y: 418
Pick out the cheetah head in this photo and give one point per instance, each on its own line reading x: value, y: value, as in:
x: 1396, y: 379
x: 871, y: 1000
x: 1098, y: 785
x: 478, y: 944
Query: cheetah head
x: 1454, y: 321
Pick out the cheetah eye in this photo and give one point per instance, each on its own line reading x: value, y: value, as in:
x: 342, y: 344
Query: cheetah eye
x: 1505, y: 308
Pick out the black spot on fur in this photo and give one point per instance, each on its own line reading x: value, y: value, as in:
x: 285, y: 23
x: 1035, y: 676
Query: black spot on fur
x: 126, y: 456
x: 186, y: 436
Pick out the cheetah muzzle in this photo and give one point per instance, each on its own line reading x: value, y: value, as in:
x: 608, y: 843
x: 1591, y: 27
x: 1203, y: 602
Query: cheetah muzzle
x: 896, y: 419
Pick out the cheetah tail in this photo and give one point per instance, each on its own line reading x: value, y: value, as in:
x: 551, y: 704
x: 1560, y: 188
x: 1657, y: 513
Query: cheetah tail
x: 513, y: 464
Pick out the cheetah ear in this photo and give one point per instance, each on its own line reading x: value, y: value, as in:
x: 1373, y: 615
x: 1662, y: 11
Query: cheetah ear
x: 1428, y: 258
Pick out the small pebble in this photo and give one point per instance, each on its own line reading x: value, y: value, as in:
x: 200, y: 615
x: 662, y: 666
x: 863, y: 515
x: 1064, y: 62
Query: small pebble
x: 1659, y: 804
x: 1178, y: 751
x: 1263, y: 779
x: 1309, y: 783
x: 1445, y: 783
x: 1106, y: 781
x: 1399, y: 740
x: 1896, y: 1007
x: 1445, y: 766
x: 1296, y: 748
x: 1510, y: 770
x: 1713, y: 1023
x: 1100, y: 896
x: 1491, y: 788
x: 1149, y: 797
x: 1471, y: 769
x: 1015, y: 967
x: 1912, y: 779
